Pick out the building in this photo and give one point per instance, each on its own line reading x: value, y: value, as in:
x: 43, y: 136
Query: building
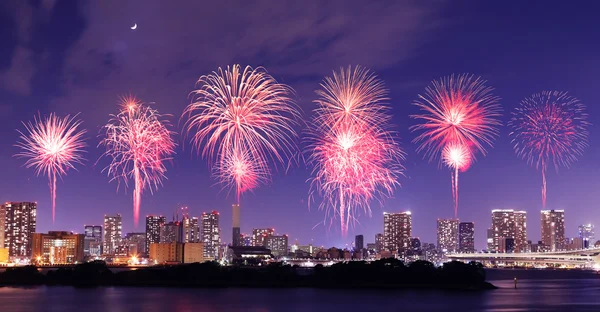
x: 359, y: 242
x: 193, y: 252
x: 236, y: 234
x: 508, y: 223
x: 58, y: 247
x: 162, y: 253
x: 553, y: 229
x: 135, y: 244
x: 246, y: 240
x: 92, y: 242
x: 171, y: 232
x: 466, y: 237
x: 19, y: 226
x: 153, y: 225
x: 278, y: 245
x: 447, y: 235
x: 378, y: 242
x: 191, y: 230
x: 113, y: 226
x: 2, y: 225
x: 211, y: 235
x: 397, y: 229
x: 490, y: 240
x: 259, y: 235
x: 585, y: 232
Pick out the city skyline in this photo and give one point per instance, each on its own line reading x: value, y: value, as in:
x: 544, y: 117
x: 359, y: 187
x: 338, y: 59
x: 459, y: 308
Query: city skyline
x: 499, y: 181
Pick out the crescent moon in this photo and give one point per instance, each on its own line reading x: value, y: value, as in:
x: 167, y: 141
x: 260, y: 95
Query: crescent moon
x: 134, y: 26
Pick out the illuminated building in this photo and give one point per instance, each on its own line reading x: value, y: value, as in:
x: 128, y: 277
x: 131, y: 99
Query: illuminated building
x: 162, y: 253
x: 112, y: 234
x: 193, y: 252
x: 466, y: 237
x: 586, y: 233
x: 447, y: 235
x: 153, y: 225
x: 511, y: 224
x: 236, y: 234
x: 135, y: 244
x: 490, y: 240
x: 171, y: 232
x: 191, y: 230
x: 359, y: 242
x: 19, y: 226
x: 397, y: 228
x: 259, y: 235
x: 211, y: 235
x: 277, y: 244
x: 378, y: 242
x: 553, y: 229
x: 2, y: 227
x: 58, y: 247
x: 246, y: 240
x: 92, y: 242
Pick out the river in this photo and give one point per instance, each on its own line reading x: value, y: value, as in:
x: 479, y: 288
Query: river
x: 536, y: 291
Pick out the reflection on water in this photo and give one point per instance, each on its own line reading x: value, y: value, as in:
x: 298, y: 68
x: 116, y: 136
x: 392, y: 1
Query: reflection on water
x: 531, y: 295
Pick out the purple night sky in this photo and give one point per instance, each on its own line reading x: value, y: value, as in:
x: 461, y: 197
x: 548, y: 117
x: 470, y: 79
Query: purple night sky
x: 80, y: 56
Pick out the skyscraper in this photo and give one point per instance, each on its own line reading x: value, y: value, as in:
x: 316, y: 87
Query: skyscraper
x: 586, y: 233
x: 211, y: 234
x: 236, y: 234
x: 378, y: 242
x: 490, y: 240
x: 2, y: 225
x: 92, y: 241
x: 466, y: 237
x: 277, y: 244
x: 359, y: 242
x: 397, y: 228
x: 153, y: 225
x: 553, y: 229
x: 447, y: 235
x: 191, y: 230
x: 112, y: 233
x: 134, y: 244
x: 520, y: 243
x: 509, y: 224
x: 259, y: 236
x: 171, y: 232
x: 19, y: 226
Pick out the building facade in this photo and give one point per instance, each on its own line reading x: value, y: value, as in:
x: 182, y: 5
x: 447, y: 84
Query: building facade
x: 379, y: 242
x: 135, y: 244
x: 236, y: 233
x: 278, y: 244
x: 113, y: 226
x: 58, y: 247
x: 19, y: 226
x: 509, y: 224
x: 193, y: 252
x: 191, y: 230
x: 153, y: 225
x: 586, y: 233
x: 466, y: 237
x: 211, y: 235
x: 171, y: 232
x: 162, y: 253
x: 259, y: 236
x: 397, y: 230
x: 92, y: 242
x: 553, y: 229
x: 447, y: 235
x: 359, y: 242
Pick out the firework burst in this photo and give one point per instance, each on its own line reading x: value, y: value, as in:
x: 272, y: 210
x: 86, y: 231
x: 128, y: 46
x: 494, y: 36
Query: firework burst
x: 242, y: 114
x: 459, y: 118
x: 354, y: 156
x: 138, y: 143
x: 52, y: 146
x: 549, y: 128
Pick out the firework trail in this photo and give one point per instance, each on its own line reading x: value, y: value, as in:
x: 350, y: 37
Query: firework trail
x: 138, y: 143
x: 354, y: 156
x: 52, y: 145
x: 246, y: 116
x: 459, y: 117
x: 549, y: 128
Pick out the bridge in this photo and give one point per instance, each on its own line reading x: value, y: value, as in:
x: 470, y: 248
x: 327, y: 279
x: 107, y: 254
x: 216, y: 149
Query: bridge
x: 582, y: 257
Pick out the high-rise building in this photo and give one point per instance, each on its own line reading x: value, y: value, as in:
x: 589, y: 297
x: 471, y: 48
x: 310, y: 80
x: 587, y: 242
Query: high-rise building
x: 58, y: 247
x: 553, y: 229
x: 277, y: 244
x: 92, y: 242
x: 2, y: 225
x: 211, y: 235
x: 236, y: 234
x: 19, y: 226
x: 359, y: 242
x: 508, y: 223
x: 191, y: 230
x: 171, y: 232
x: 259, y: 236
x: 153, y: 225
x: 490, y: 240
x: 135, y: 244
x: 113, y: 226
x: 447, y: 235
x: 466, y: 237
x: 585, y: 232
x: 379, y: 242
x: 397, y: 228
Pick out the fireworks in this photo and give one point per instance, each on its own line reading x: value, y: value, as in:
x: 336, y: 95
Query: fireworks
x: 459, y: 118
x: 52, y: 146
x: 549, y: 128
x: 242, y: 119
x: 138, y: 143
x: 354, y: 155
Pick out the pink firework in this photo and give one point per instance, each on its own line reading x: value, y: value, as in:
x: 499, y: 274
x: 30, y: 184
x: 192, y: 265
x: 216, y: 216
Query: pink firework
x: 52, y: 145
x: 457, y: 157
x: 549, y: 128
x: 138, y: 143
x: 245, y: 114
x: 459, y: 115
x: 354, y: 155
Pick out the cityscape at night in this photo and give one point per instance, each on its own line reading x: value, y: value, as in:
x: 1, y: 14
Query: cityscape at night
x: 436, y: 136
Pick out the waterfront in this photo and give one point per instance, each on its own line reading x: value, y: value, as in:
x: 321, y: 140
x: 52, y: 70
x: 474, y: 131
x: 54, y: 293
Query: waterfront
x: 537, y: 291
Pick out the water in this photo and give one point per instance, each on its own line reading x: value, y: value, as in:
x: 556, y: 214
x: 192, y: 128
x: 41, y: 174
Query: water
x: 537, y: 291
